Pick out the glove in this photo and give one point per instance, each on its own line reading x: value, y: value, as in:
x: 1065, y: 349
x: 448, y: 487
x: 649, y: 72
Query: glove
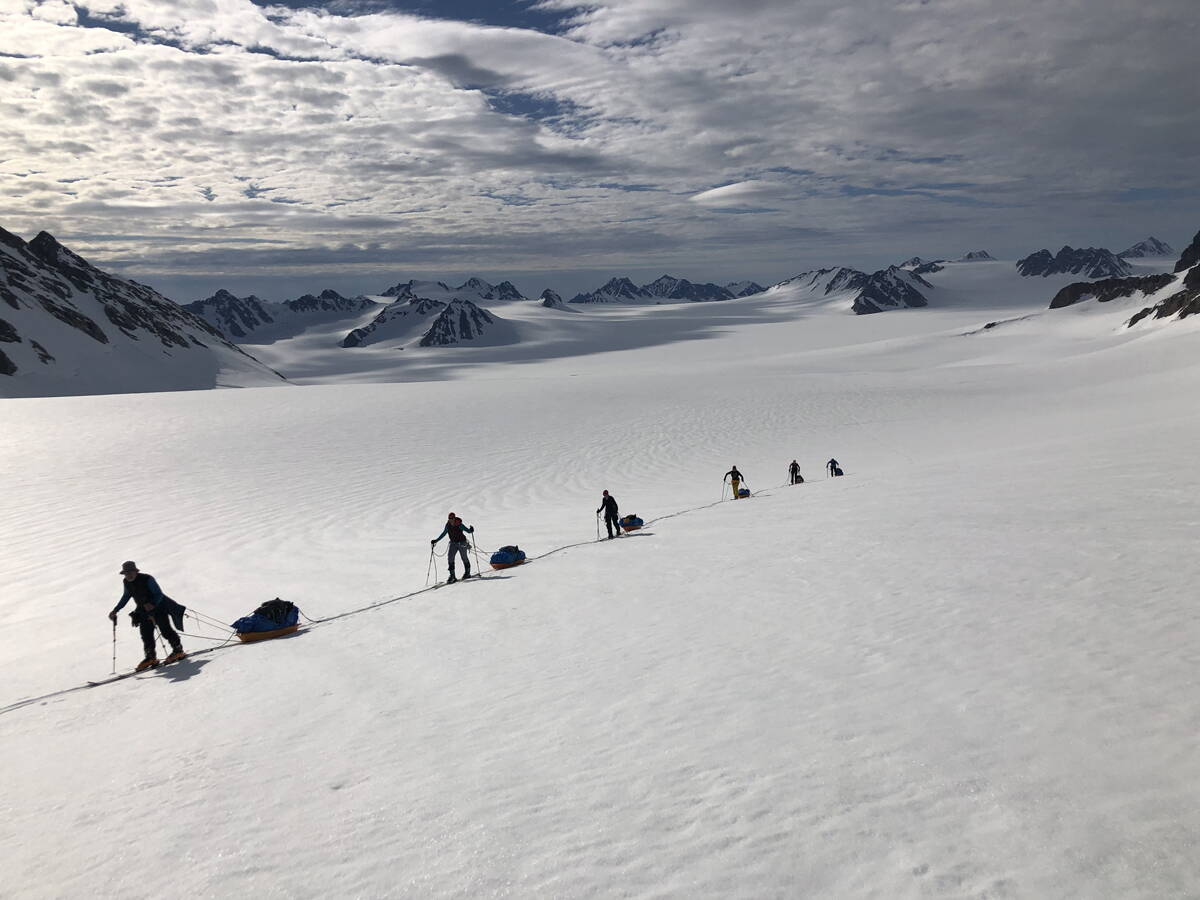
x: 434, y: 541
x: 112, y: 617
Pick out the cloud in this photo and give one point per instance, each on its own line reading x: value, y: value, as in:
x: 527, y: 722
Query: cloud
x: 896, y: 121
x: 740, y: 195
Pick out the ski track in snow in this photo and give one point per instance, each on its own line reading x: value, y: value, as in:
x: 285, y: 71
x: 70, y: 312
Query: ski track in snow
x: 968, y: 669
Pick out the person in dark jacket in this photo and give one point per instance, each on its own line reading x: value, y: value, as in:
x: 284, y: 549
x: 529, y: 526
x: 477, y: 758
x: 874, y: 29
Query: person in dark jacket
x: 833, y: 467
x: 459, y: 545
x: 151, y: 607
x: 734, y: 477
x: 794, y: 472
x: 608, y: 504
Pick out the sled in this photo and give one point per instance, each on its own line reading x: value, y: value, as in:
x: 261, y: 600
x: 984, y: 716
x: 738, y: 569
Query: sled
x: 507, y: 557
x: 630, y: 523
x: 744, y: 492
x: 251, y: 636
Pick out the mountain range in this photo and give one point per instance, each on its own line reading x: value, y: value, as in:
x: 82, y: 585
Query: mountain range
x: 247, y: 318
x: 72, y: 328
x: 1091, y: 262
x: 665, y: 289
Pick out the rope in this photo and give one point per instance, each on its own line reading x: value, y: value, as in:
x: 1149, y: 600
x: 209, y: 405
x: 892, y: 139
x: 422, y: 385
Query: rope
x: 200, y: 617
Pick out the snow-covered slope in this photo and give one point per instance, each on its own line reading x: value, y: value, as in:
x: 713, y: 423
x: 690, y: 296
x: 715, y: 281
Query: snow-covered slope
x: 966, y: 669
x: 67, y: 327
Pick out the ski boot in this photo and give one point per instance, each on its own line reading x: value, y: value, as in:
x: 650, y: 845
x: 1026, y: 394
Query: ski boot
x: 148, y: 663
x: 175, y: 656
x: 451, y: 579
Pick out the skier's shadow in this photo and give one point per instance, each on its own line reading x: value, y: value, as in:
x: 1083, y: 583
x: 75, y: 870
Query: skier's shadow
x: 182, y: 670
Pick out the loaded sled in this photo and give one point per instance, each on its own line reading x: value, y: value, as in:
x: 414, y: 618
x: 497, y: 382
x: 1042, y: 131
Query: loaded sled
x: 273, y: 619
x: 507, y: 557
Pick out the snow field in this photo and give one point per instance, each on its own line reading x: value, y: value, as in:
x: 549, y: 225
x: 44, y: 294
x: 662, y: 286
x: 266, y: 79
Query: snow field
x: 967, y: 669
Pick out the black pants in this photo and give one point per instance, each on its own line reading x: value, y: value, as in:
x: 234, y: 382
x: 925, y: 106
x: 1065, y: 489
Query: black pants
x: 611, y: 523
x: 796, y: 479
x: 146, y: 620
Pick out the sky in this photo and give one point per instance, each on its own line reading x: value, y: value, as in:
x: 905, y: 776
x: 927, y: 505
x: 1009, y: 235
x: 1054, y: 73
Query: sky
x: 285, y: 148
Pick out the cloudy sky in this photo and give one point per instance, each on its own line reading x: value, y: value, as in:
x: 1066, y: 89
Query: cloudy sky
x: 195, y: 144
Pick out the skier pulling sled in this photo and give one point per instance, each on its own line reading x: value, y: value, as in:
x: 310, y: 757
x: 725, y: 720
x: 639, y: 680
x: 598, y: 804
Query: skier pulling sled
x: 273, y: 619
x: 631, y: 522
x: 507, y: 557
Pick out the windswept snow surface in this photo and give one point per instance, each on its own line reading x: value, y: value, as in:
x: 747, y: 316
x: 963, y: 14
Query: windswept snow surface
x: 967, y: 669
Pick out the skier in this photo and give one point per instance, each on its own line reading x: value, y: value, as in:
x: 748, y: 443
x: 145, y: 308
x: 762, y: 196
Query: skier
x: 458, y: 545
x: 151, y: 607
x: 735, y: 479
x: 794, y: 472
x: 834, y: 468
x: 609, y: 505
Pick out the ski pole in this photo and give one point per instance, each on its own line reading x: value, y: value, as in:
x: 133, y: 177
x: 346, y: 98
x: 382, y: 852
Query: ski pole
x: 475, y: 547
x: 597, y: 526
x: 114, y: 671
x: 429, y: 571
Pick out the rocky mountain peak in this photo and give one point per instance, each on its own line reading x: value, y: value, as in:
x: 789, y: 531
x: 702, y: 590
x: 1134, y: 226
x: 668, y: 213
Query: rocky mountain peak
x: 1091, y: 262
x: 1190, y: 256
x: 1150, y: 247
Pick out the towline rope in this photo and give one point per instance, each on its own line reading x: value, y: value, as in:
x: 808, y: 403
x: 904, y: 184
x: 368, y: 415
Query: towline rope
x: 324, y: 620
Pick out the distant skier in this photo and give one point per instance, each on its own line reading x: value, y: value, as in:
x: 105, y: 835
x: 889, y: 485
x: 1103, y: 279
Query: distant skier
x: 794, y: 472
x: 834, y: 468
x: 609, y: 505
x: 459, y: 545
x: 151, y: 607
x: 735, y: 479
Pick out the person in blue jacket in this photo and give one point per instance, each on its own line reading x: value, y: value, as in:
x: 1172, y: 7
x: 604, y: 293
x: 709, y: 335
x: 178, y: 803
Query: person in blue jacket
x: 459, y: 545
x: 151, y: 607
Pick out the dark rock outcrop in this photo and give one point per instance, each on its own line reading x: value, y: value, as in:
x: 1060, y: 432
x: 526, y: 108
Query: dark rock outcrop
x: 665, y: 288
x: 976, y: 256
x: 670, y: 288
x: 1109, y: 289
x: 616, y: 290
x: 234, y: 317
x: 551, y: 300
x: 461, y: 320
x: 1190, y: 256
x: 1182, y: 303
x: 890, y: 288
x: 744, y: 288
x: 1091, y: 262
x: 397, y: 318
